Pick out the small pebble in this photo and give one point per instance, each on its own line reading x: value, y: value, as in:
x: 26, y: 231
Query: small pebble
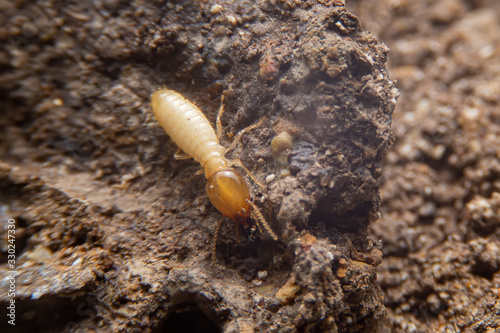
x: 262, y: 275
x: 270, y: 178
x: 215, y: 9
x: 257, y: 282
x: 232, y: 20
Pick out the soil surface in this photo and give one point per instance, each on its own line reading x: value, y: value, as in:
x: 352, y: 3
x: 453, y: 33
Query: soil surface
x: 114, y: 234
x: 440, y: 187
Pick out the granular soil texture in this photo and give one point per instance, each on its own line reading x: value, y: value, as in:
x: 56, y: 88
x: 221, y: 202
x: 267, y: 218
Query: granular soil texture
x: 115, y: 235
x: 440, y: 187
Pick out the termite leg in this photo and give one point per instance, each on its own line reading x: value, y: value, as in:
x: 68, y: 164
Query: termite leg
x: 257, y: 215
x: 180, y: 155
x: 214, y: 242
x: 238, y: 136
x: 218, y: 123
x: 237, y: 162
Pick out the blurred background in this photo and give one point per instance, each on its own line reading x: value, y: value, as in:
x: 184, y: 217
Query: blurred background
x: 441, y: 182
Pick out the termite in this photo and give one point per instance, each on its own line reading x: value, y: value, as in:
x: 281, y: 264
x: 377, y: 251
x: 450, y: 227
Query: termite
x: 191, y: 131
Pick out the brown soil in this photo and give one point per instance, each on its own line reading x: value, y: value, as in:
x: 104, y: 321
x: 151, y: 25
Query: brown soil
x: 114, y: 234
x: 441, y: 182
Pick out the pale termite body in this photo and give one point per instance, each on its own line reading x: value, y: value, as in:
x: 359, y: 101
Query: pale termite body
x: 191, y: 131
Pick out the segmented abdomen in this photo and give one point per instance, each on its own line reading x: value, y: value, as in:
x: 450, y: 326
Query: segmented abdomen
x: 186, y: 125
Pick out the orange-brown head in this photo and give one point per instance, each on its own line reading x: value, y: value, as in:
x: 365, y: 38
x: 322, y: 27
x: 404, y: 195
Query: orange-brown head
x: 229, y: 193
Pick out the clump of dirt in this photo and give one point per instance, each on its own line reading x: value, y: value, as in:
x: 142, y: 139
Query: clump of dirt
x: 117, y: 234
x: 440, y: 186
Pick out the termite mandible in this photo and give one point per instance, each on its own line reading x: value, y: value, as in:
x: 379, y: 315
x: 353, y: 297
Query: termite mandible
x: 191, y: 131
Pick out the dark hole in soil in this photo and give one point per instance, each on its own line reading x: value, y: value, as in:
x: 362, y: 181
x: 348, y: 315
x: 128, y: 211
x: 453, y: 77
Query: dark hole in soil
x: 48, y: 314
x: 351, y: 221
x: 191, y: 321
x: 360, y: 67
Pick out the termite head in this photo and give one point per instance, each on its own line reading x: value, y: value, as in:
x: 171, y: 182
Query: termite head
x: 229, y: 193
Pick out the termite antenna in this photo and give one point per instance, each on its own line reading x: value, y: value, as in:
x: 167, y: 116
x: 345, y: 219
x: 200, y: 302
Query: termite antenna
x: 257, y: 215
x: 214, y: 242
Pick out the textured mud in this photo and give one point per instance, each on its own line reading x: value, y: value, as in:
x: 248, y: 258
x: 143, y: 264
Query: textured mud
x: 440, y: 187
x: 114, y: 234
